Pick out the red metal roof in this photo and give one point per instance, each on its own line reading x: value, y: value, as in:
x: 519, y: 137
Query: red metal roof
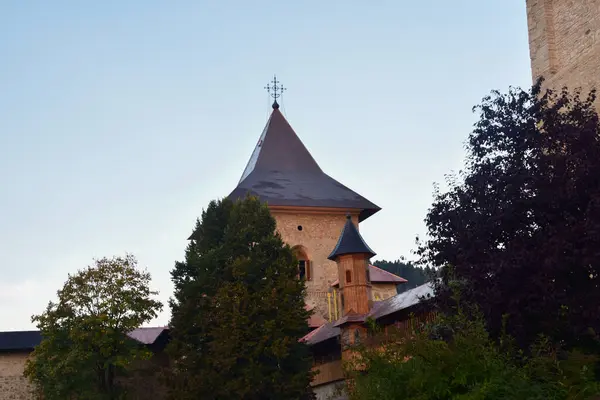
x: 316, y: 321
x: 379, y: 275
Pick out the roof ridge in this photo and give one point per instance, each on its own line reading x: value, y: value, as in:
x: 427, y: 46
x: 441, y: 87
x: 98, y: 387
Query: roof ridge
x: 388, y: 272
x: 311, y: 333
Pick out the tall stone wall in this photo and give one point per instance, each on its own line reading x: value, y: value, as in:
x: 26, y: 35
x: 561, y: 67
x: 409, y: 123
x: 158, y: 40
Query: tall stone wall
x: 13, y: 385
x: 564, y: 42
x: 143, y: 383
x: 318, y: 237
x: 383, y: 291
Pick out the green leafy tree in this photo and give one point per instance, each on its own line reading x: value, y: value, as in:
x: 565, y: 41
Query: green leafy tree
x: 454, y: 358
x: 519, y: 228
x: 85, y: 344
x: 238, y: 310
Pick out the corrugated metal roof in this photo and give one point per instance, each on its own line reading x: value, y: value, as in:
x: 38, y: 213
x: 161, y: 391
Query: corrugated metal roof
x: 401, y: 301
x: 350, y: 317
x: 282, y: 172
x: 379, y: 275
x: 350, y: 242
x: 380, y: 309
x: 321, y: 334
x: 315, y: 321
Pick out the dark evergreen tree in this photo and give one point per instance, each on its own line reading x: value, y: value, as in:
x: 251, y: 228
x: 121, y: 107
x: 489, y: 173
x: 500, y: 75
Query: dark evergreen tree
x: 519, y: 230
x: 238, y: 310
x: 415, y: 275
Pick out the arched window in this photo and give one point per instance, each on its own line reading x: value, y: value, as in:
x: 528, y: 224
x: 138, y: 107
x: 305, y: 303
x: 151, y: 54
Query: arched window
x: 304, y: 267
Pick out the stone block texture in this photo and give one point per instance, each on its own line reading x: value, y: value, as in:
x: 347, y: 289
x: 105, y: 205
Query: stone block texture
x: 318, y: 237
x: 143, y: 383
x: 13, y: 385
x: 382, y: 291
x: 564, y: 42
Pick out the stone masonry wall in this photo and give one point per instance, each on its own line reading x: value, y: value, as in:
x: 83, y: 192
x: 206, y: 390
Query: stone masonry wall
x: 382, y: 291
x: 319, y: 235
x: 13, y: 385
x: 143, y: 383
x: 564, y: 42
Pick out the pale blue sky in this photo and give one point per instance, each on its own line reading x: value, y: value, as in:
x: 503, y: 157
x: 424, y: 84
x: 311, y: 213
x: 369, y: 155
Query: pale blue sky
x: 120, y: 120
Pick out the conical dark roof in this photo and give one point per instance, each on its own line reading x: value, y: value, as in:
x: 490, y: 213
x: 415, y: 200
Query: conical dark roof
x: 350, y: 242
x: 282, y: 172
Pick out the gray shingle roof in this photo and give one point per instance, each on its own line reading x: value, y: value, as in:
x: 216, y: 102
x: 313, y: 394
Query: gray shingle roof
x: 379, y: 275
x: 321, y: 334
x: 350, y: 242
x: 282, y: 172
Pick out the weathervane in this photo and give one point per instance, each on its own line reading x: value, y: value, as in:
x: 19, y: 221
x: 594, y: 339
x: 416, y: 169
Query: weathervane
x: 275, y: 90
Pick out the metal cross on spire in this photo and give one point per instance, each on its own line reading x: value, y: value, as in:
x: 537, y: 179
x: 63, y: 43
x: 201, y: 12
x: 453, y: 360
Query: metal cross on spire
x: 275, y: 90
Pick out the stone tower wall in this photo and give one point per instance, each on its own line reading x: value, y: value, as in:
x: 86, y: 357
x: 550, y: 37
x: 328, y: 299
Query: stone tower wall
x: 319, y: 235
x: 564, y: 42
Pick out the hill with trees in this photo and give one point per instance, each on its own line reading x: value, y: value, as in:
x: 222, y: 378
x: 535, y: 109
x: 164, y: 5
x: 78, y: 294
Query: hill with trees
x: 413, y: 274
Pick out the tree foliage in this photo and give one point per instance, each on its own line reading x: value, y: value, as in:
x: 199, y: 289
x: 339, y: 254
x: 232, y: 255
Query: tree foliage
x: 414, y: 274
x: 238, y: 310
x: 520, y: 227
x: 85, y: 343
x: 454, y: 358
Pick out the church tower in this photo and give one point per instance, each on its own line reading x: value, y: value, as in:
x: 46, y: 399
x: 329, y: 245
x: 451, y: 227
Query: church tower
x: 309, y: 206
x: 564, y: 42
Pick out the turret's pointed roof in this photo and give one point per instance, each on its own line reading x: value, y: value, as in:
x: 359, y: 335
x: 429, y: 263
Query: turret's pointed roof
x: 350, y: 242
x: 282, y: 172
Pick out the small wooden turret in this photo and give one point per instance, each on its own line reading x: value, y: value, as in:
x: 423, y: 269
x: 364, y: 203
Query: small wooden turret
x: 352, y: 256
